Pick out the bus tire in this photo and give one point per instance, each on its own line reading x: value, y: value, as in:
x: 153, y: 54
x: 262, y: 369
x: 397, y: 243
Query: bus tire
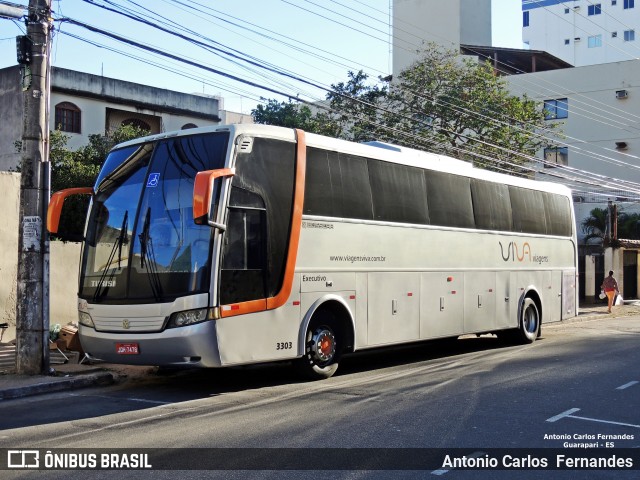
x: 529, y: 326
x: 322, y: 348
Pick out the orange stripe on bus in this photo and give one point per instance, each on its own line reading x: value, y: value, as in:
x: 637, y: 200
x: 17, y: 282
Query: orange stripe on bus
x: 296, y: 223
x: 243, y: 308
x: 294, y: 240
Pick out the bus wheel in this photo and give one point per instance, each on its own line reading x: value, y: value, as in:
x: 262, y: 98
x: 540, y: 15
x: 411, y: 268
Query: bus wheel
x: 322, y: 351
x: 529, y: 322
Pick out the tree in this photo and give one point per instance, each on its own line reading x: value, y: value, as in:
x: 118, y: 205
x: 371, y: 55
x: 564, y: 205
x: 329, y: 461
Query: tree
x: 629, y: 226
x: 595, y: 225
x: 443, y: 103
x: 356, y: 107
x: 350, y: 112
x: 448, y: 103
x: 293, y: 115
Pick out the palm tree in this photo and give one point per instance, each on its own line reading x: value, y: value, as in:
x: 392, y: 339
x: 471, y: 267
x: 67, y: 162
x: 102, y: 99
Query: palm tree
x: 629, y: 226
x: 595, y: 225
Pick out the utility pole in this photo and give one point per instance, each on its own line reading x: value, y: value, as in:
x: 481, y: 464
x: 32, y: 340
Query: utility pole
x: 32, y: 322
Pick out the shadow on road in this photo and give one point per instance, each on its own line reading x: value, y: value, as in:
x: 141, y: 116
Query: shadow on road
x: 142, y: 388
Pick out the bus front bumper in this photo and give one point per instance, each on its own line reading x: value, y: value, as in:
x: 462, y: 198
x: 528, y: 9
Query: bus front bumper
x: 192, y: 346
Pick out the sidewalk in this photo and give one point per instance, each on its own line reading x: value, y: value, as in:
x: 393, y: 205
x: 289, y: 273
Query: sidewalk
x: 66, y: 372
x: 68, y: 376
x: 72, y: 375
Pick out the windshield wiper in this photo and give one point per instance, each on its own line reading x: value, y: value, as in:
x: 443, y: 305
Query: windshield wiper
x: 123, y: 239
x: 148, y: 257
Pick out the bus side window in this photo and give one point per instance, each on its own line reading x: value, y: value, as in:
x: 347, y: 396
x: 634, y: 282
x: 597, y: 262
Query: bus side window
x: 244, y: 254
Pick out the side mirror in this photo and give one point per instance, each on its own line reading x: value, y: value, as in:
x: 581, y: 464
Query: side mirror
x: 54, y: 212
x: 206, y: 193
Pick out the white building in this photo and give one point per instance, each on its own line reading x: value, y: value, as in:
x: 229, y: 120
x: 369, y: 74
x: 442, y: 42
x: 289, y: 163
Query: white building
x: 583, y: 32
x: 83, y: 104
x: 449, y: 23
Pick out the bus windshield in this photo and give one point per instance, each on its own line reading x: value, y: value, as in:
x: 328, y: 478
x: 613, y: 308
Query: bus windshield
x: 142, y: 243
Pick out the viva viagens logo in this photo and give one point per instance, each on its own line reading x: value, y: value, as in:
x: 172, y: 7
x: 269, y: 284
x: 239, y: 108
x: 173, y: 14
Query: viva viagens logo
x: 521, y: 252
x: 513, y: 251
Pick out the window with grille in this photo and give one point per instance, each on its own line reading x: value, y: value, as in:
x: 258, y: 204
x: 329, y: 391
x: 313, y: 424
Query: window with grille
x: 68, y: 117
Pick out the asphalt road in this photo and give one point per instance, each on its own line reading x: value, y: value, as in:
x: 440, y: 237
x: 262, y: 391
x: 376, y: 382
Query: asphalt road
x: 578, y: 384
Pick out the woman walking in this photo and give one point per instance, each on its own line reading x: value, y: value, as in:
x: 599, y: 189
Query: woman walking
x: 610, y: 287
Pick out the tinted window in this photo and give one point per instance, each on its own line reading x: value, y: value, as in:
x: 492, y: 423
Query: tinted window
x: 450, y: 202
x: 319, y: 191
x: 491, y: 205
x: 528, y: 211
x: 558, y: 215
x: 398, y: 193
x: 268, y: 172
x: 355, y: 200
x: 337, y: 185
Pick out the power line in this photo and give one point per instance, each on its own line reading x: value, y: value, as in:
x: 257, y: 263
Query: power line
x: 288, y: 95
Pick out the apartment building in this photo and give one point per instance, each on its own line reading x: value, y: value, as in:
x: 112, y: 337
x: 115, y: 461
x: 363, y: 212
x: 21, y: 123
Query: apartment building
x: 583, y: 32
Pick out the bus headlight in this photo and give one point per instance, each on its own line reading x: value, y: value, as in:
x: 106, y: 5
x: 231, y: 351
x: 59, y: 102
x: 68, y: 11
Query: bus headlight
x: 189, y: 317
x: 85, y: 319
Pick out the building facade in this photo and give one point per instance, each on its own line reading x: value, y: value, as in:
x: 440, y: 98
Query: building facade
x: 83, y: 104
x: 583, y: 32
x: 449, y: 23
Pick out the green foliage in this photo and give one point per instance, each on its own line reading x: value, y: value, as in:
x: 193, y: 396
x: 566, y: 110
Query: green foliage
x: 595, y: 226
x: 629, y: 226
x: 443, y: 103
x: 292, y: 115
x: 459, y: 106
x: 355, y: 107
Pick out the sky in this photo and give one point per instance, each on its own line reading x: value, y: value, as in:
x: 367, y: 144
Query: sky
x: 317, y: 41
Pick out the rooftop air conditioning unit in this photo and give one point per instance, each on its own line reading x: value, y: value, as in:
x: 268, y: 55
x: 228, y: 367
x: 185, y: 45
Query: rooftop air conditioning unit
x: 622, y: 94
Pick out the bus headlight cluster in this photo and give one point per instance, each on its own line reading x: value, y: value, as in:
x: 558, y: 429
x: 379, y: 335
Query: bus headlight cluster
x: 85, y: 319
x: 189, y: 317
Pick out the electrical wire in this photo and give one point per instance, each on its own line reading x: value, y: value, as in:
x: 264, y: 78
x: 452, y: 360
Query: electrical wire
x: 280, y: 93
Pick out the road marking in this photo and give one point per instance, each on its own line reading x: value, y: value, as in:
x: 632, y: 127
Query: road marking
x: 143, y: 400
x: 627, y: 385
x: 562, y: 415
x: 130, y: 399
x: 439, y: 472
x: 568, y: 413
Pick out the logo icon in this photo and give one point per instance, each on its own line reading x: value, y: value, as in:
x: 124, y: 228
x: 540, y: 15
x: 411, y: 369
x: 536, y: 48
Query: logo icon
x: 23, y: 459
x: 153, y: 180
x: 126, y: 324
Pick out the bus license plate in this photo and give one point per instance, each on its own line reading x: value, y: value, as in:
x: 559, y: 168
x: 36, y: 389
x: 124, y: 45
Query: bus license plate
x: 127, y: 349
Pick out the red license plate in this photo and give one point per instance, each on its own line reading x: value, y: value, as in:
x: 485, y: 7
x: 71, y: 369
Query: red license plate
x: 127, y: 349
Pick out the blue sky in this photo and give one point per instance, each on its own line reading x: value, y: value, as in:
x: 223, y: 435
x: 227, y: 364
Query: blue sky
x: 324, y: 39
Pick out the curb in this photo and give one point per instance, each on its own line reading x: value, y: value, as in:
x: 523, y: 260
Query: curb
x: 64, y: 383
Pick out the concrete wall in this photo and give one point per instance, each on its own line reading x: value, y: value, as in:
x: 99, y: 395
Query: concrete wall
x: 448, y: 23
x: 64, y: 261
x: 10, y: 185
